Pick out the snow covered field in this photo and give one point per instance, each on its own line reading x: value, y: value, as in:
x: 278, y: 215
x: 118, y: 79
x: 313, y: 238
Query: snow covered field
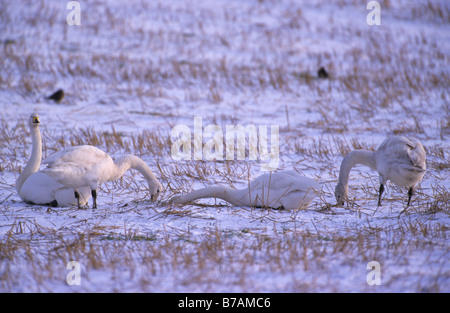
x: 134, y: 70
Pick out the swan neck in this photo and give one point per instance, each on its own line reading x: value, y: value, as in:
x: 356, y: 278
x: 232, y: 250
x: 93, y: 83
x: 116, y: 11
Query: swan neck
x: 230, y: 195
x: 35, y: 159
x: 364, y: 157
x: 126, y: 162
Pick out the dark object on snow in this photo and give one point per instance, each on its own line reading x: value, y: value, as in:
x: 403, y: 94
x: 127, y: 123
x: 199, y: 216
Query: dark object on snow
x: 57, y: 96
x: 322, y: 73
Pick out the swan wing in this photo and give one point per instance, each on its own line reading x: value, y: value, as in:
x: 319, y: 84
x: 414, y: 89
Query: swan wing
x: 286, y: 180
x: 66, y: 171
x: 416, y: 153
x: 288, y: 189
x: 80, y: 166
x: 406, y: 152
x: 76, y: 155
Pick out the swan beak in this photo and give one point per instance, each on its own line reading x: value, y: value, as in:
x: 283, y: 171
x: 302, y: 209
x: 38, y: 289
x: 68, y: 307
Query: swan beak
x: 36, y: 120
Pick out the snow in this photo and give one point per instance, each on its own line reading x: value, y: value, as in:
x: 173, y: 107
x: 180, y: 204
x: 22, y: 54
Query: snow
x: 134, y: 70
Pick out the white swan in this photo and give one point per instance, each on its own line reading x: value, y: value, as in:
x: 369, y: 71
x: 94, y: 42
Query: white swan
x: 77, y: 170
x: 399, y: 159
x: 283, y: 190
x: 39, y: 188
x: 82, y: 166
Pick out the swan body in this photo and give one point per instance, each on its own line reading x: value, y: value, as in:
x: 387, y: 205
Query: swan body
x: 399, y: 159
x: 287, y: 190
x: 41, y: 188
x: 78, y: 170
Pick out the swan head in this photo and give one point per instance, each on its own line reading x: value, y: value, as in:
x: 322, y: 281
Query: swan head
x: 34, y: 120
x: 341, y: 194
x: 155, y: 190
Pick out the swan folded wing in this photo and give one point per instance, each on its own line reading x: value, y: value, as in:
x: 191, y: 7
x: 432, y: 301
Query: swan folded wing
x: 405, y: 152
x: 78, y: 155
x: 417, y: 156
x: 295, y: 194
x: 287, y: 189
x: 68, y: 174
x: 293, y: 182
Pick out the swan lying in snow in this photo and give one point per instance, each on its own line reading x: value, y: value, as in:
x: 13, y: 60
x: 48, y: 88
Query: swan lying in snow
x: 74, y: 174
x: 38, y: 187
x: 399, y: 159
x: 283, y: 190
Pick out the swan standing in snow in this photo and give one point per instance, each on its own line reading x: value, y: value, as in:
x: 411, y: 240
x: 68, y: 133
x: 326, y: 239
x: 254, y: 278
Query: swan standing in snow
x: 77, y: 170
x: 399, y: 159
x: 82, y: 166
x: 283, y: 190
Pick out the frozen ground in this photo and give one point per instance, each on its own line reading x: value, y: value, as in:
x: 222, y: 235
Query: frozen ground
x: 134, y: 70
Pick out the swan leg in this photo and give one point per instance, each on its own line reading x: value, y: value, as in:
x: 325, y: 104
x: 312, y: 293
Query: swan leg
x: 410, y: 193
x: 77, y: 196
x: 380, y: 193
x: 94, y: 198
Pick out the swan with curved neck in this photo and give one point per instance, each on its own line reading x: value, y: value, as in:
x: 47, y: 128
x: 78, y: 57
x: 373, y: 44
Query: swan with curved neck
x: 83, y: 166
x: 73, y: 175
x: 399, y: 159
x: 283, y: 190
